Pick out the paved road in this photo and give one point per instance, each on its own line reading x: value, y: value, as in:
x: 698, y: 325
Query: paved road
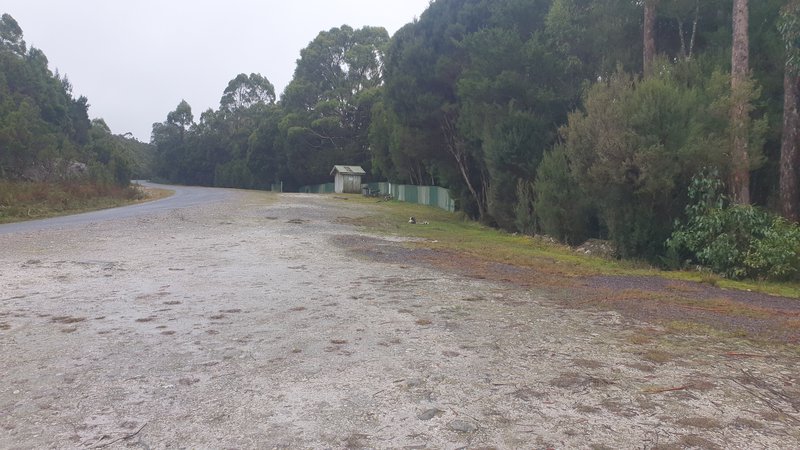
x: 184, y: 197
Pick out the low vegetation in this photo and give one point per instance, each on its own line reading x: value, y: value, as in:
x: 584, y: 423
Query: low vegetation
x: 454, y: 232
x: 53, y: 157
x: 21, y: 201
x: 738, y: 241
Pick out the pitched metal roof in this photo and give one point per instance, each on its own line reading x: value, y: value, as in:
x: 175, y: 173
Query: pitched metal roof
x: 348, y: 170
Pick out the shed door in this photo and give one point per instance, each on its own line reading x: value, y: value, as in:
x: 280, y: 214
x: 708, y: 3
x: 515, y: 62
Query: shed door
x: 352, y: 184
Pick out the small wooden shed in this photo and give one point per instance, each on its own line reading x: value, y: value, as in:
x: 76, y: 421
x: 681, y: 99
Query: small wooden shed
x: 348, y: 179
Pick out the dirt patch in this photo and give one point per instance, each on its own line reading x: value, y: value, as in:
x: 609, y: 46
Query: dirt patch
x: 575, y: 380
x: 705, y: 423
x: 690, y: 441
x: 67, y: 319
x: 651, y: 299
x: 587, y: 363
x: 755, y: 315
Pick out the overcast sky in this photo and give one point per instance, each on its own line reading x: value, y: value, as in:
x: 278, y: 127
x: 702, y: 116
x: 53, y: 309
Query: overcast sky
x: 136, y: 60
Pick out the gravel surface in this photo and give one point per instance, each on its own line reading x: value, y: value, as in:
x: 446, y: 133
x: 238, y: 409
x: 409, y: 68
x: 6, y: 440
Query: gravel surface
x: 261, y: 321
x: 753, y: 315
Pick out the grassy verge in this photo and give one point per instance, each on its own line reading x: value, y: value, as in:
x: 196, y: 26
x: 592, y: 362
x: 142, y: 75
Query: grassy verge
x: 450, y: 231
x: 20, y: 201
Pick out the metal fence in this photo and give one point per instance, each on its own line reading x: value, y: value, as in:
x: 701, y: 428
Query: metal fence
x: 422, y: 195
x: 327, y: 188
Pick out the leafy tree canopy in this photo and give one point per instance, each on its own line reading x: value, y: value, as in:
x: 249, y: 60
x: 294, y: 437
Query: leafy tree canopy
x: 44, y: 129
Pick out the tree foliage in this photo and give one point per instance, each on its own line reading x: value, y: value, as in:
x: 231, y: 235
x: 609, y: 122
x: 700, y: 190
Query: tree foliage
x: 636, y: 144
x: 789, y: 27
x: 44, y: 129
x: 329, y: 101
x: 251, y: 141
x: 244, y: 92
x: 534, y: 113
x: 737, y: 241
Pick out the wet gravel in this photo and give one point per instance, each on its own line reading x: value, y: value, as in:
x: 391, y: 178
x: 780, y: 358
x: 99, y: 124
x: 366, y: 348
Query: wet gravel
x: 263, y: 321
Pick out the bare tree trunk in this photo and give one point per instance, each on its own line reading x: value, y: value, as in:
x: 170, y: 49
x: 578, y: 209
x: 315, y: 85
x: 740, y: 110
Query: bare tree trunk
x: 649, y: 55
x: 457, y: 150
x: 740, y: 179
x: 694, y: 28
x: 686, y: 54
x: 790, y: 158
x: 419, y: 174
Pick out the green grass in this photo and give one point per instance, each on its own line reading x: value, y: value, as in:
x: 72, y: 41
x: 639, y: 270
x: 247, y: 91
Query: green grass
x: 21, y: 201
x: 451, y: 231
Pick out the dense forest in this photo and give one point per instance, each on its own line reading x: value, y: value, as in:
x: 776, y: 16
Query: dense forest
x: 656, y: 124
x: 323, y: 118
x: 668, y: 127
x: 45, y: 132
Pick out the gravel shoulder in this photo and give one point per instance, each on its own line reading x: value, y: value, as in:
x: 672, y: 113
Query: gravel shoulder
x: 263, y: 321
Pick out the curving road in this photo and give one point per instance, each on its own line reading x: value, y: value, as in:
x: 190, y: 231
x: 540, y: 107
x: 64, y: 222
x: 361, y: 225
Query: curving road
x: 184, y: 197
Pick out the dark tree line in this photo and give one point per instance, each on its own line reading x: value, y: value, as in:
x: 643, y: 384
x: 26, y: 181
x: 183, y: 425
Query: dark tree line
x: 575, y: 118
x: 252, y: 141
x: 45, y: 130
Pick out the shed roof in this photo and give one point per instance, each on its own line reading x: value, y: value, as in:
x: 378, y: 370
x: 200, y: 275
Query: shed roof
x: 348, y: 170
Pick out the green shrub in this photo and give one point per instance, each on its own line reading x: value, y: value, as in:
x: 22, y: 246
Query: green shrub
x: 632, y: 149
x: 777, y: 254
x: 737, y: 241
x: 561, y: 207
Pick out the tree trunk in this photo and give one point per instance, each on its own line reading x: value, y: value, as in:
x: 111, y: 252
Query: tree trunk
x: 686, y: 53
x: 694, y: 28
x: 649, y: 55
x: 790, y: 159
x: 457, y: 150
x: 740, y: 179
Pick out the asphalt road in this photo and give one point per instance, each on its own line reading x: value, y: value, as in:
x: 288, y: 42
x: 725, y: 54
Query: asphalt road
x: 184, y: 197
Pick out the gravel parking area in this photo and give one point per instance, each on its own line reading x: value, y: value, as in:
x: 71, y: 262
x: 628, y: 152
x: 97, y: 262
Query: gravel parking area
x: 264, y: 321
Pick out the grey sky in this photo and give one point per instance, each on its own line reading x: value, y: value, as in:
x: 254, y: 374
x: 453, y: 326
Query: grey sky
x: 135, y: 60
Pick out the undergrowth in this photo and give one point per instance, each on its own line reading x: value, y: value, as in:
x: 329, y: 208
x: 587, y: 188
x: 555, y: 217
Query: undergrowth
x: 21, y: 201
x: 736, y: 241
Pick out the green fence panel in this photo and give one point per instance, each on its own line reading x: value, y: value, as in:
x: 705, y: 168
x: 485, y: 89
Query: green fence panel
x: 440, y: 197
x: 327, y: 188
x: 424, y: 195
x: 412, y: 194
x: 436, y: 196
